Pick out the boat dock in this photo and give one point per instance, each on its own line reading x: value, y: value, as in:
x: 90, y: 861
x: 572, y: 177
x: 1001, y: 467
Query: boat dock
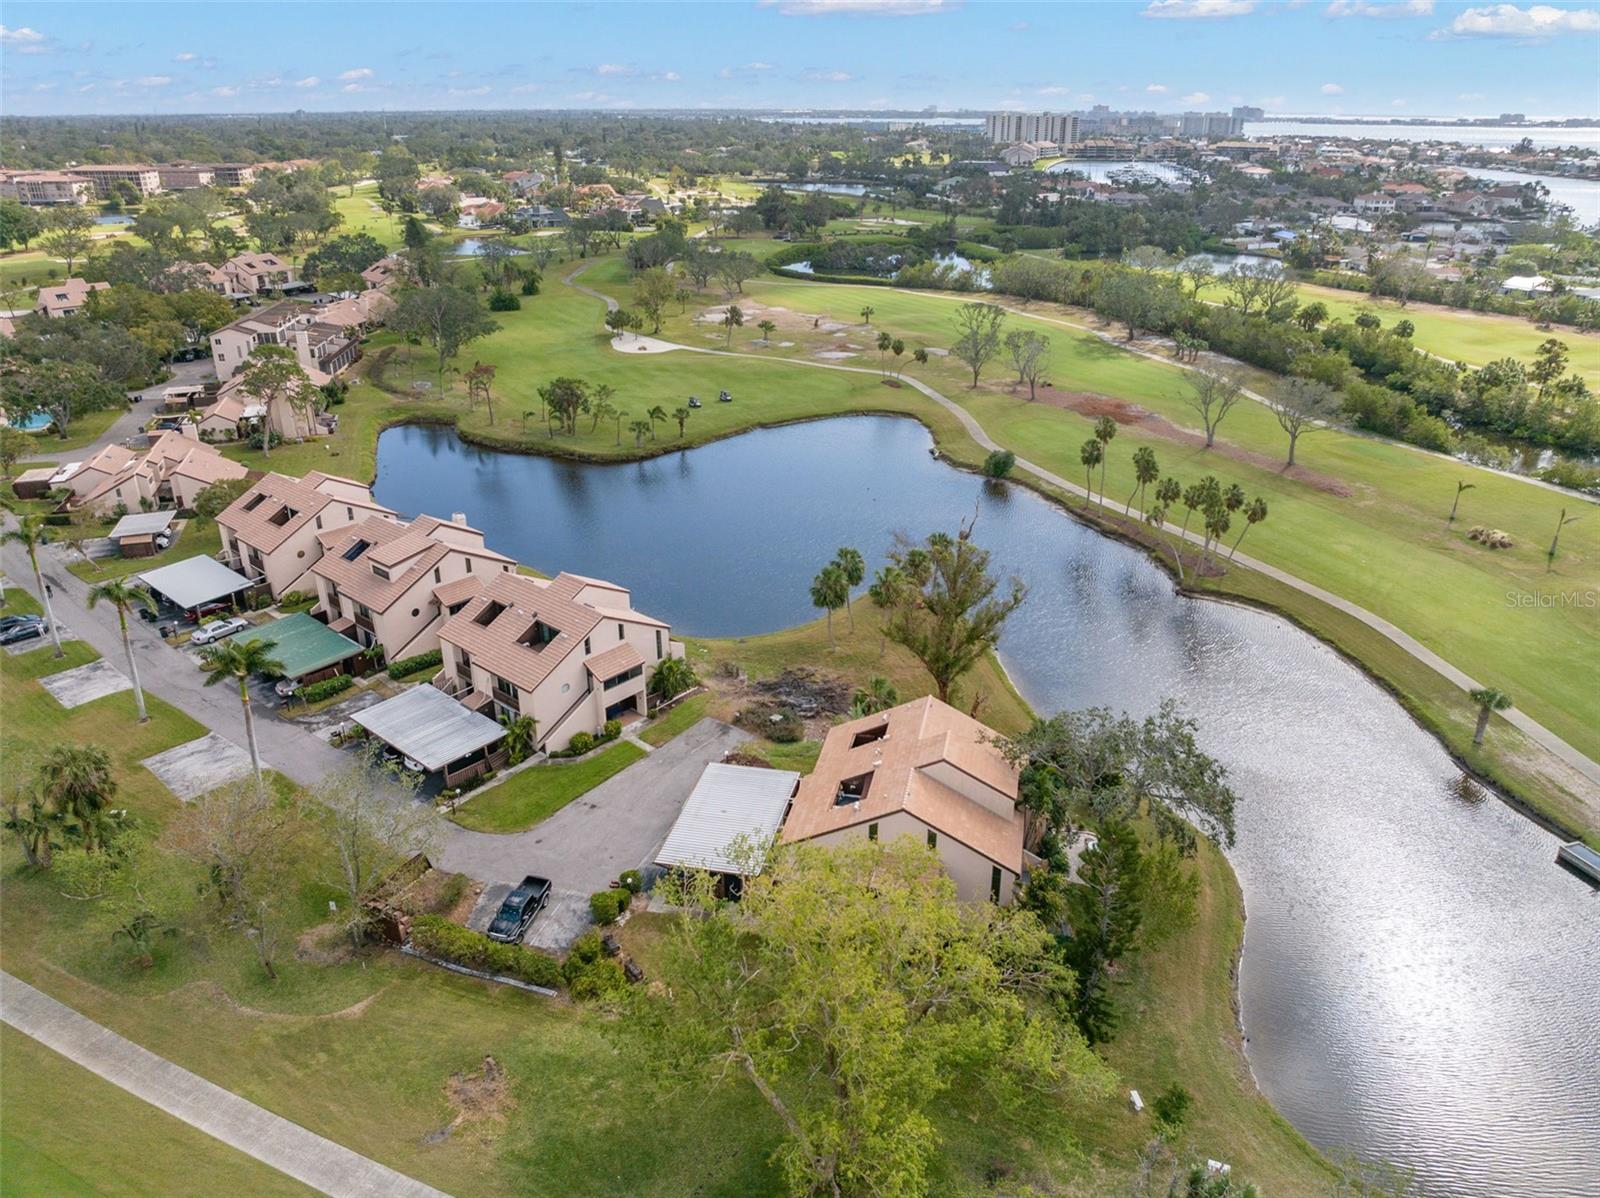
x: 1581, y: 859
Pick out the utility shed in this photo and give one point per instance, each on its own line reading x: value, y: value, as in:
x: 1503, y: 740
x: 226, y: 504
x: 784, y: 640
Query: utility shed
x: 308, y: 649
x: 196, y: 581
x: 431, y: 728
x: 729, y: 802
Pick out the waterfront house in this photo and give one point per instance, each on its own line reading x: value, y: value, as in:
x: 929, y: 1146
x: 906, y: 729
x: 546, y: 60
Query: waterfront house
x: 270, y: 532
x: 392, y: 585
x: 569, y: 651
x: 922, y: 769
x: 66, y: 298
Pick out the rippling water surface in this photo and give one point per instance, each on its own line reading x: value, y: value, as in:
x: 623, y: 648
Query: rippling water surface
x: 1419, y: 980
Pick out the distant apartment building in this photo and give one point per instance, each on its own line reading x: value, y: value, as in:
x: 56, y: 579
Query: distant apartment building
x: 233, y: 174
x: 257, y: 274
x: 182, y: 176
x: 1005, y: 128
x: 40, y: 189
x: 1375, y: 203
x: 322, y: 349
x: 145, y: 179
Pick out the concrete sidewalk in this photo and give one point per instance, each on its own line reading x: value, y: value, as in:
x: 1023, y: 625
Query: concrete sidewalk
x: 320, y: 1163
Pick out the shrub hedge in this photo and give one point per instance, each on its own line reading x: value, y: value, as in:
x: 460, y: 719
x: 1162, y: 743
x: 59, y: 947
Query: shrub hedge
x: 327, y: 688
x: 606, y: 905
x: 438, y: 937
x: 407, y: 666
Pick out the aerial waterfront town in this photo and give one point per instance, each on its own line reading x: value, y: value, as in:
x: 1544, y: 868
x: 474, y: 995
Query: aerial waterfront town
x: 751, y: 599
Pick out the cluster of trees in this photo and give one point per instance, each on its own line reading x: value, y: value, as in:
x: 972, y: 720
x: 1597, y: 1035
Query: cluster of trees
x: 165, y: 323
x: 564, y: 400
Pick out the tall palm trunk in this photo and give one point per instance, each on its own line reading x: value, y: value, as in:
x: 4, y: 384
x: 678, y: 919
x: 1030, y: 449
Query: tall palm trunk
x: 250, y: 728
x: 133, y: 666
x: 44, y: 597
x: 1483, y: 726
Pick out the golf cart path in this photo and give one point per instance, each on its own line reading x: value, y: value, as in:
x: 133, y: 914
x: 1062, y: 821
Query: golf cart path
x: 223, y: 1115
x: 1530, y: 727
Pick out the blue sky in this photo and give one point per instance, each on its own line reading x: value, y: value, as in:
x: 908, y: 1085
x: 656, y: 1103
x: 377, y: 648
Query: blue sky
x: 1295, y: 56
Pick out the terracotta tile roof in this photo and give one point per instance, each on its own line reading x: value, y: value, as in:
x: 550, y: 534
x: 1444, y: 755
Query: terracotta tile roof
x: 457, y: 591
x: 113, y: 459
x: 208, y: 467
x: 934, y: 763
x: 521, y: 600
x: 353, y: 574
x: 257, y: 523
x: 614, y: 661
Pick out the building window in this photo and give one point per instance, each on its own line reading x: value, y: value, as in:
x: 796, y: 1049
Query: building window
x: 586, y: 647
x: 538, y: 635
x: 867, y: 735
x: 436, y: 574
x: 933, y: 839
x: 380, y: 571
x: 469, y: 565
x: 620, y: 633
x: 658, y: 644
x: 872, y: 831
x: 853, y: 790
x: 994, y: 884
x: 625, y: 676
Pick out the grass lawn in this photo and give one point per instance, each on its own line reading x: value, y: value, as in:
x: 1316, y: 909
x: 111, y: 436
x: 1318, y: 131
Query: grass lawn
x: 199, y: 537
x: 1475, y: 338
x: 362, y: 215
x: 540, y: 791
x: 59, y: 1139
x: 85, y: 430
x: 681, y: 718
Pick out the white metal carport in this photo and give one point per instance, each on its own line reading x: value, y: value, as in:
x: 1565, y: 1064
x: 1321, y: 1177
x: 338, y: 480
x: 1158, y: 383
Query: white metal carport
x: 430, y: 727
x: 730, y: 803
x: 195, y: 581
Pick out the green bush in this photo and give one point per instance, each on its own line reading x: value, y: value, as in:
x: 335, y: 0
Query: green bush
x: 1171, y: 1107
x: 294, y: 598
x: 327, y: 688
x: 504, y: 301
x: 585, y: 951
x: 611, y: 730
x: 999, y: 463
x: 438, y: 937
x: 787, y: 729
x: 598, y: 979
x: 581, y: 742
x: 632, y: 881
x: 407, y: 666
x: 605, y: 907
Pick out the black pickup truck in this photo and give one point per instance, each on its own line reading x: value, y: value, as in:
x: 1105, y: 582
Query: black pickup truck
x: 519, y: 909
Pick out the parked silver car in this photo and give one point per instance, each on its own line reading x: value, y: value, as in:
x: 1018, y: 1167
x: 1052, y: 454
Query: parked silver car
x: 216, y: 630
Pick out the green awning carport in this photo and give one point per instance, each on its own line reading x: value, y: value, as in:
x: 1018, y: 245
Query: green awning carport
x: 302, y: 644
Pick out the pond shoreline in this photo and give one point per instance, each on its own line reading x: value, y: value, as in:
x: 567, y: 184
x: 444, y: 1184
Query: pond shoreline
x: 1483, y: 774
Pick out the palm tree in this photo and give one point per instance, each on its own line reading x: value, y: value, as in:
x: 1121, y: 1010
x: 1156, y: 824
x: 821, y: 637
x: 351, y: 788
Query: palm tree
x: 829, y: 591
x: 767, y: 328
x: 1145, y: 472
x: 77, y: 781
x: 601, y: 405
x: 681, y: 415
x: 1104, y: 429
x: 1489, y: 700
x: 732, y: 319
x: 31, y: 533
x: 520, y: 733
x: 656, y: 413
x: 866, y: 314
x: 639, y: 429
x: 854, y: 568
x: 1460, y: 487
x: 238, y: 660
x: 619, y: 415
x: 671, y: 678
x: 886, y: 591
x: 1253, y: 515
x: 124, y: 598
x: 1090, y: 455
x: 878, y: 695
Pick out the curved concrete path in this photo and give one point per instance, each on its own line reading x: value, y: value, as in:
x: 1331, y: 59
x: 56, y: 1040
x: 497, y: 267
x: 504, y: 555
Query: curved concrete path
x: 305, y: 1156
x: 1530, y: 727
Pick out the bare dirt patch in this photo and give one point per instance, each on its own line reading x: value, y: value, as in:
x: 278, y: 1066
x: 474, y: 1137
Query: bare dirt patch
x: 1094, y: 406
x: 481, y: 1101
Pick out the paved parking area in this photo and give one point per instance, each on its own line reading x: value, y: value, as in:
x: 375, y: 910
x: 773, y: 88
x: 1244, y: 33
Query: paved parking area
x: 616, y: 826
x: 191, y: 769
x: 38, y: 642
x: 564, y: 918
x: 85, y: 684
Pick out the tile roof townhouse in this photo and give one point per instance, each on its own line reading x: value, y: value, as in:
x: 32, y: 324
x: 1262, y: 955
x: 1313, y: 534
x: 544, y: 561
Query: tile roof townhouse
x: 922, y: 769
x: 391, y: 584
x: 390, y: 269
x: 322, y: 349
x: 358, y: 313
x: 569, y: 651
x: 66, y: 298
x: 257, y: 274
x: 170, y: 473
x: 270, y: 531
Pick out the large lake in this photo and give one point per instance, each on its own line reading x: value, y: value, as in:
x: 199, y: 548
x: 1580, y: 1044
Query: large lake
x: 1418, y: 979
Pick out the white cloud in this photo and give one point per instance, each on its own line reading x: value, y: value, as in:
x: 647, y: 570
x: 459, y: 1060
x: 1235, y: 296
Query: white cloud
x: 749, y: 68
x: 1469, y: 97
x: 667, y: 77
x: 813, y: 75
x: 860, y: 8
x: 613, y: 68
x: 308, y: 81
x: 1055, y: 89
x: 523, y: 89
x: 355, y: 73
x: 1196, y: 98
x: 1198, y: 10
x: 23, y: 40
x: 1156, y: 89
x: 87, y: 87
x: 1332, y: 89
x: 352, y: 88
x: 225, y: 92
x: 1534, y: 22
x: 481, y: 90
x: 1370, y: 8
x: 186, y: 56
x: 153, y: 80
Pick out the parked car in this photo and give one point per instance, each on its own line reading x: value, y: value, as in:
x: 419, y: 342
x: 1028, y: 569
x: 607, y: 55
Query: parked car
x: 518, y: 911
x: 211, y: 609
x: 216, y: 630
x: 285, y: 688
x: 21, y: 628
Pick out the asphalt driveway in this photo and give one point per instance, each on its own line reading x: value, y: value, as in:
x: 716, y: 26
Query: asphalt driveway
x: 616, y: 826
